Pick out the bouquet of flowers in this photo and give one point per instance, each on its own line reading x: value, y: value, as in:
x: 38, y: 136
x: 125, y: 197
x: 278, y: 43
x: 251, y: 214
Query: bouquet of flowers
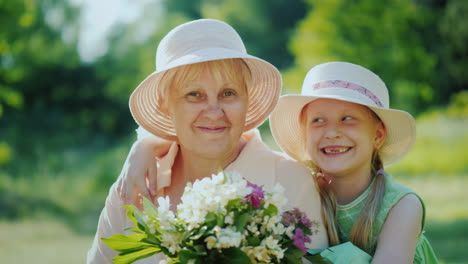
x: 222, y: 219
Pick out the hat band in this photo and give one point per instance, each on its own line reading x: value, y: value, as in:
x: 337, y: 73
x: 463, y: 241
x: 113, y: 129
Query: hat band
x: 348, y: 85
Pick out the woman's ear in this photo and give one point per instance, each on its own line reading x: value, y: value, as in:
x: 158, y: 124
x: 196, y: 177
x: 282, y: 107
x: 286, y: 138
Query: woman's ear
x: 380, y: 135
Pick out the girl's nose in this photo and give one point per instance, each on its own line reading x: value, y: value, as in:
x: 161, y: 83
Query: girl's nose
x: 333, y: 132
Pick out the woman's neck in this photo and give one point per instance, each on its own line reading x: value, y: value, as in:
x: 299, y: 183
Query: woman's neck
x: 347, y: 188
x: 192, y: 166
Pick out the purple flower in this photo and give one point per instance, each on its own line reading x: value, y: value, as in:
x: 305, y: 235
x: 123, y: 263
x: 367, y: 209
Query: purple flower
x: 300, y: 239
x: 255, y: 198
x: 294, y: 217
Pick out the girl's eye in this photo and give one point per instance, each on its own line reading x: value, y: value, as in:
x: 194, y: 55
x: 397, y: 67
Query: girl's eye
x: 347, y: 118
x: 317, y: 120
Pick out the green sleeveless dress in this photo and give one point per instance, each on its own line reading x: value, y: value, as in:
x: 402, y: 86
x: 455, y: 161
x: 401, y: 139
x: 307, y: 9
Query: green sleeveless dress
x: 348, y: 214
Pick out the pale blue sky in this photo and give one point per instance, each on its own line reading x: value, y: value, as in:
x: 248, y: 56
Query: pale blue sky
x: 98, y: 17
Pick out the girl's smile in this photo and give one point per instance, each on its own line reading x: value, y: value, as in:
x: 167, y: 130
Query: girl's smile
x: 335, y: 150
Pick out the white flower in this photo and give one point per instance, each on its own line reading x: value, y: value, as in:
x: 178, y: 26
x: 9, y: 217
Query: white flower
x: 278, y: 229
x: 227, y: 237
x: 224, y: 238
x: 229, y: 218
x: 290, y: 230
x: 257, y: 254
x: 269, y: 222
x: 166, y: 261
x: 172, y: 241
x: 276, y: 197
x: 165, y: 216
x: 210, y: 242
x: 210, y: 195
x: 274, y: 247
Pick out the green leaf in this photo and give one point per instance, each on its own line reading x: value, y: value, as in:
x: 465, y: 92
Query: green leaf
x: 200, y: 249
x: 293, y: 256
x: 210, y: 220
x: 141, y: 223
x: 220, y: 220
x: 234, y: 256
x: 313, y: 255
x: 253, y: 241
x: 185, y: 256
x: 121, y: 242
x: 131, y: 209
x: 240, y: 221
x: 235, y: 203
x: 271, y: 210
x: 197, y: 233
x: 150, y: 208
x: 125, y: 258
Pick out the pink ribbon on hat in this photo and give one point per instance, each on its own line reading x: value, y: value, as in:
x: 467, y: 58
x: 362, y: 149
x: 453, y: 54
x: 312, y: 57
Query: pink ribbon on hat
x: 348, y: 85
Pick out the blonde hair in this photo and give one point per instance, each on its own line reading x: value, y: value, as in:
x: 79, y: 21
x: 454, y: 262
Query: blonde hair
x: 235, y: 70
x: 361, y: 232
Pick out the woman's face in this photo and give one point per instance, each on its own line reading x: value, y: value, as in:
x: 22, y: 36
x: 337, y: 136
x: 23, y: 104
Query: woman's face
x: 209, y: 113
x: 341, y: 136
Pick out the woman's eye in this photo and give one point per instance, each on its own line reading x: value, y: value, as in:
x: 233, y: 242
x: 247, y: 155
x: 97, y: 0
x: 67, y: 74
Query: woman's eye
x: 193, y: 94
x: 347, y: 118
x: 229, y: 93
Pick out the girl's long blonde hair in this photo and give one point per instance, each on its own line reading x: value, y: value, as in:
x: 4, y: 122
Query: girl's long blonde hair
x: 361, y: 232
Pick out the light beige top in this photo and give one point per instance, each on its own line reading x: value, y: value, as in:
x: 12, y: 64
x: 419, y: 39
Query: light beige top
x: 256, y: 163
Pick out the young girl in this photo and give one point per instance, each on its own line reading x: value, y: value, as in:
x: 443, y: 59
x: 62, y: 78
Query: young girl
x: 342, y: 127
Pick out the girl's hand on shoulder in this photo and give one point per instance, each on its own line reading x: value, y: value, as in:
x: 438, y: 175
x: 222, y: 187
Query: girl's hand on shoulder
x: 399, y: 235
x: 138, y: 177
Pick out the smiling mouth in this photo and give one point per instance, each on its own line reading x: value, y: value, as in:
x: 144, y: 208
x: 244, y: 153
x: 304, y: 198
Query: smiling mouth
x: 212, y: 129
x: 335, y: 150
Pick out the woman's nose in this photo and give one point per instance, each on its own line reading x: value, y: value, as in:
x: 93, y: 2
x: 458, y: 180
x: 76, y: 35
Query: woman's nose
x: 213, y: 109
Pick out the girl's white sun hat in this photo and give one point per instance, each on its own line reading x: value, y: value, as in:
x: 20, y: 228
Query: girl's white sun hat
x: 200, y: 41
x: 346, y: 82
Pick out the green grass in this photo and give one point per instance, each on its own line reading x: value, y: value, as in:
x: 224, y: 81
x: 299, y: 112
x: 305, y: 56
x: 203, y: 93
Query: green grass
x: 42, y: 242
x: 446, y: 213
x: 441, y: 148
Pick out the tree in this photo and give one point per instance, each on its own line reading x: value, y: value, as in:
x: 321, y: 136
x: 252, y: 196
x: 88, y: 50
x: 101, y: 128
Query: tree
x: 382, y: 36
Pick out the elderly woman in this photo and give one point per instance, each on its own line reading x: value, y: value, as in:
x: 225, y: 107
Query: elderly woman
x: 205, y: 98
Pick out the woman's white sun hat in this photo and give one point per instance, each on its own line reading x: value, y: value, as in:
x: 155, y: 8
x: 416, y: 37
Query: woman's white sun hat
x: 346, y: 82
x: 200, y: 41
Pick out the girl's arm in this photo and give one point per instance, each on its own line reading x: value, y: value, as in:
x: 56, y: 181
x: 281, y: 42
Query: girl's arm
x: 397, y: 239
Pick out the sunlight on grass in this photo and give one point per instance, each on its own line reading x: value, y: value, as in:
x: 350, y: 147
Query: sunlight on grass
x: 446, y: 214
x: 441, y: 147
x: 42, y: 242
x: 445, y: 197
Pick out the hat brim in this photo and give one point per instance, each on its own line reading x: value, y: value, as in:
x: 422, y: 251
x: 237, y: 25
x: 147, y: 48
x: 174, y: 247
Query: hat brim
x: 264, y: 91
x: 286, y: 128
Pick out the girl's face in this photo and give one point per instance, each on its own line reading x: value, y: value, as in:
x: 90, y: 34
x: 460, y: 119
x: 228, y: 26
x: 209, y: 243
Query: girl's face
x: 209, y: 112
x: 341, y: 136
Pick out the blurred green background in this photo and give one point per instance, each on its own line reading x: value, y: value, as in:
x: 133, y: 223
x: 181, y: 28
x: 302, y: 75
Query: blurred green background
x: 67, y: 69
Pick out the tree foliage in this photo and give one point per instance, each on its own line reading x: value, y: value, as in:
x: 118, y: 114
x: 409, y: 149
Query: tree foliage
x: 385, y: 37
x: 418, y: 48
